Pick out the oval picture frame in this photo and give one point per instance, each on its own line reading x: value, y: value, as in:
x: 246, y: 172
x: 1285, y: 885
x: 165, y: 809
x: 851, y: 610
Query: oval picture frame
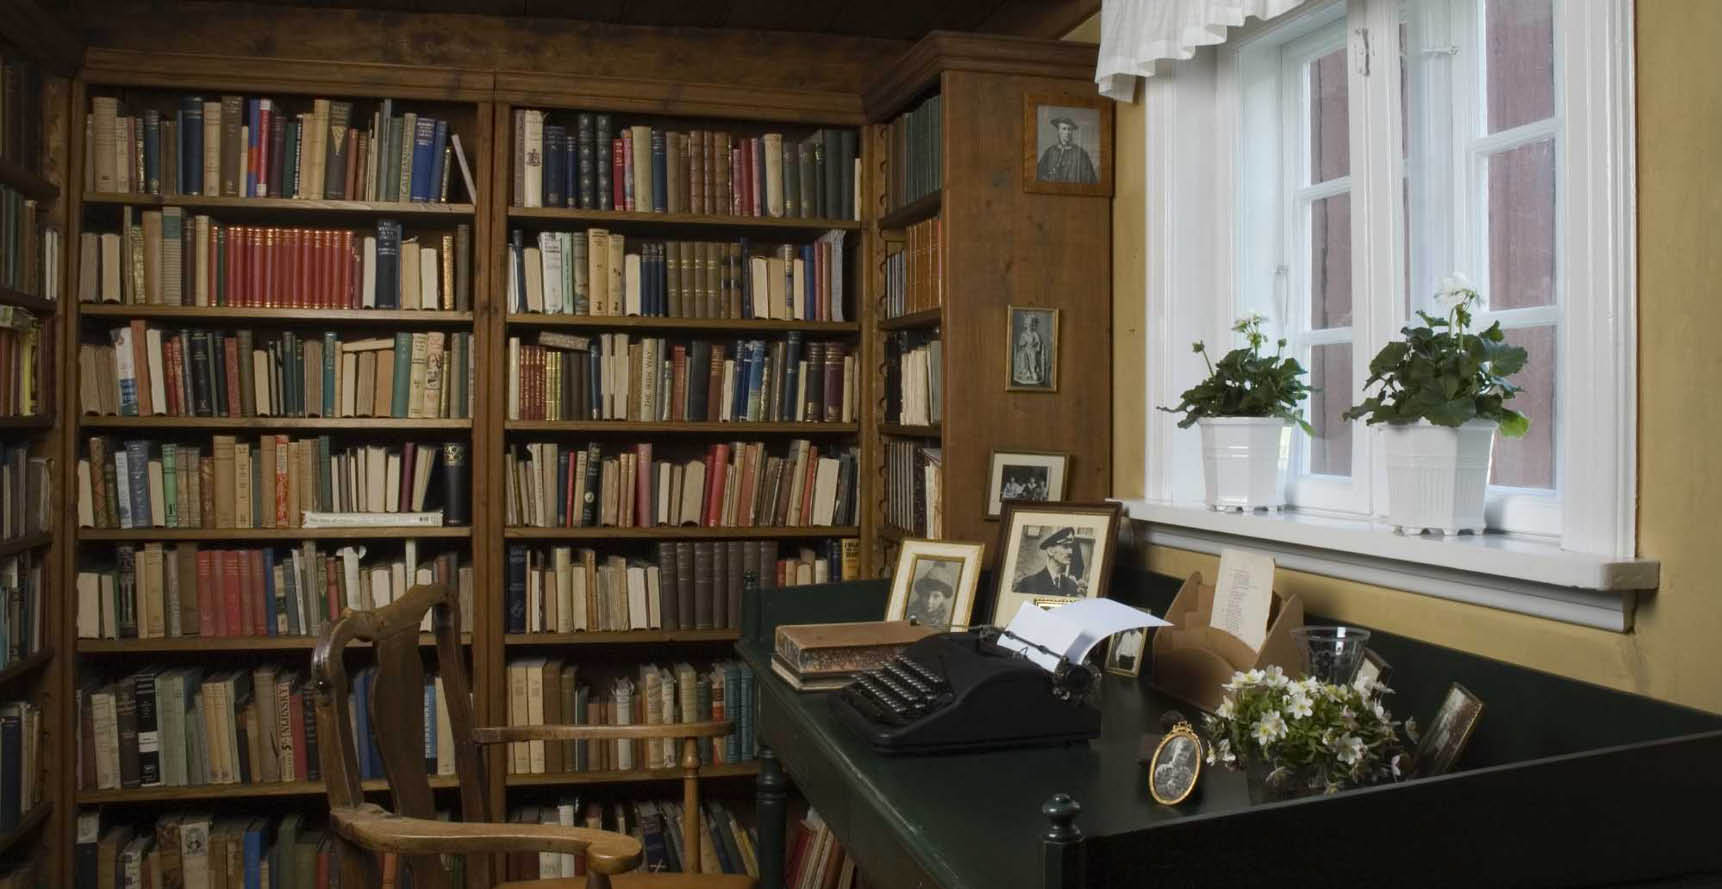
x: 1168, y: 782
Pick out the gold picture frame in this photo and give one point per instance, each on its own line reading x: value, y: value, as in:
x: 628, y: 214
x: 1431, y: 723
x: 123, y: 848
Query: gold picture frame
x: 1176, y: 765
x: 1067, y: 144
x: 1026, y: 371
x: 916, y: 562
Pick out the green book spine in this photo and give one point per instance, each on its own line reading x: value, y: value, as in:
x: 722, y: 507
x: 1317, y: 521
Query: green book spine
x: 169, y: 484
x: 325, y: 481
x: 403, y: 373
x: 329, y: 393
x: 290, y: 160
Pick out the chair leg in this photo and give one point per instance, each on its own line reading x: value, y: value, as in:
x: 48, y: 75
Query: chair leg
x: 691, y: 805
x: 595, y: 880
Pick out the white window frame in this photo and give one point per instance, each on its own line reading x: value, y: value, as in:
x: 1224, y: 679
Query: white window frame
x: 1589, y: 570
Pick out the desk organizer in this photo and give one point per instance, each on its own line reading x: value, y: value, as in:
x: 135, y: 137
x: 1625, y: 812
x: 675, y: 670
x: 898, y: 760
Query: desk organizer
x: 1191, y: 659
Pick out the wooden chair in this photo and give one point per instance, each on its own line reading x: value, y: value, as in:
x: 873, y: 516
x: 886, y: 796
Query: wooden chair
x: 370, y: 840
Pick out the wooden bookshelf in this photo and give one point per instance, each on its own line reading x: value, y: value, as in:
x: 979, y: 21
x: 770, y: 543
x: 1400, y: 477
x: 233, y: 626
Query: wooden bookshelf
x: 689, y: 533
x: 36, y: 304
x: 689, y: 427
x: 637, y: 322
x: 621, y: 637
x: 264, y: 534
x: 701, y: 220
x: 924, y: 207
x: 315, y: 424
x: 235, y: 207
x: 900, y: 430
x: 196, y: 644
x: 28, y: 541
x: 32, y: 819
x: 37, y: 421
x: 26, y: 666
x: 30, y: 185
x: 234, y: 791
x: 231, y: 314
x: 925, y: 318
x: 715, y: 770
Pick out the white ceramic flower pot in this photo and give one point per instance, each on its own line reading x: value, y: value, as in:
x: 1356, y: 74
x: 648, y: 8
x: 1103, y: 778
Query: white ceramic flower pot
x: 1437, y: 475
x: 1244, y: 461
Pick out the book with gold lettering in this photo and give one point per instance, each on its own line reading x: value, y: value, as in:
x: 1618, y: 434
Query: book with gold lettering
x: 823, y: 657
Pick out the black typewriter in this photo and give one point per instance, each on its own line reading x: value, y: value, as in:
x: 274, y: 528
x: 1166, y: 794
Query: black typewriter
x: 961, y: 691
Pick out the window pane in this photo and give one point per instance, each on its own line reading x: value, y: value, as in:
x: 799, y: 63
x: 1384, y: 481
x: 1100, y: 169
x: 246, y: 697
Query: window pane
x: 1330, y: 262
x: 1529, y: 462
x: 1522, y: 226
x: 1330, y: 377
x: 1521, y: 62
x: 1329, y: 118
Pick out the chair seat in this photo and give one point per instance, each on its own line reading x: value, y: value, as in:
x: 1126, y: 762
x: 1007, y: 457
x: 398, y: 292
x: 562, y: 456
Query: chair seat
x: 644, y: 880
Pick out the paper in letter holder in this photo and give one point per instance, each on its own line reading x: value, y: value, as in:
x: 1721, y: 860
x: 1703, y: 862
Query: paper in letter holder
x: 1192, y: 659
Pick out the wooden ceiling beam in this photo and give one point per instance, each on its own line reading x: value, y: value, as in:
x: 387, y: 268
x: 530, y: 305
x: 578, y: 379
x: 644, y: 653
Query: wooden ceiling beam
x: 1045, y: 19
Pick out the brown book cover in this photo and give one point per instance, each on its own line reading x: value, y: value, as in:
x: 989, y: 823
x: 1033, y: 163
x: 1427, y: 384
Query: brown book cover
x: 223, y: 482
x: 669, y: 582
x: 189, y: 592
x: 206, y: 492
x: 731, y: 605
x: 231, y: 357
x: 126, y: 722
x: 686, y: 568
x: 102, y: 510
x: 714, y: 383
x: 840, y: 649
x: 704, y: 578
x: 553, y: 715
x: 767, y: 564
x: 232, y: 114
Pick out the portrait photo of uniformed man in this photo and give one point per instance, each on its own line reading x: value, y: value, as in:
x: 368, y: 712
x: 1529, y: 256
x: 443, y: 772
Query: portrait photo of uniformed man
x: 1054, y: 562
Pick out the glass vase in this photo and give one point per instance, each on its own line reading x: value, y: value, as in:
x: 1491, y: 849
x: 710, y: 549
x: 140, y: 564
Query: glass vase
x: 1268, y: 785
x: 1331, y: 654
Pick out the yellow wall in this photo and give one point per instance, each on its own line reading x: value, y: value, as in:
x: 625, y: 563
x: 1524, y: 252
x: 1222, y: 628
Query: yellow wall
x: 1675, y: 652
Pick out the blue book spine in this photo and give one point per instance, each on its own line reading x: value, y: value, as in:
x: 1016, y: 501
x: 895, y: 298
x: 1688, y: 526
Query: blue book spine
x: 137, y: 464
x: 329, y: 391
x: 179, y: 149
x: 295, y: 620
x: 388, y: 264
x: 253, y: 858
x: 571, y: 169
x: 660, y: 174
x: 123, y: 480
x: 516, y: 589
x: 745, y: 275
x: 191, y: 145
x: 437, y: 162
x: 555, y: 184
x: 152, y: 151
x: 743, y: 353
x: 430, y: 727
x: 594, y: 398
x: 520, y: 266
x: 424, y: 142
x: 269, y: 602
x: 603, y: 147
x: 755, y: 379
x: 791, y: 374
x: 809, y: 286
x: 561, y: 486
x: 11, y: 771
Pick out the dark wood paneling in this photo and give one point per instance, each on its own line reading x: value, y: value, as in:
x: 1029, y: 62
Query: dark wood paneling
x: 918, y: 70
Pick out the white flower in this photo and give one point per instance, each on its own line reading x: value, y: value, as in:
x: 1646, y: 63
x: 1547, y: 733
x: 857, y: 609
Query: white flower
x: 1379, y: 711
x: 1350, y: 749
x: 1277, y: 677
x: 1221, y: 752
x: 1227, y: 709
x: 1248, y: 320
x: 1271, y: 728
x: 1394, y: 763
x: 1308, y: 685
x: 1299, y: 705
x: 1455, y: 290
x: 1254, y: 677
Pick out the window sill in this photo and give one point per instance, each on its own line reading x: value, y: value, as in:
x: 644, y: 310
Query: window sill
x: 1510, y: 572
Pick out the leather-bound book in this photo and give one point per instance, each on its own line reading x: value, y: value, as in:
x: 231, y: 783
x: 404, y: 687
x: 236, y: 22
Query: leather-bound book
x: 669, y: 571
x: 714, y: 609
x: 738, y: 567
x: 767, y: 564
x: 457, y: 482
x: 823, y: 657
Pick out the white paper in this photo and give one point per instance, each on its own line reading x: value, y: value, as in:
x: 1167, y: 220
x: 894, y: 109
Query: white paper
x: 1243, y: 594
x: 1070, y: 630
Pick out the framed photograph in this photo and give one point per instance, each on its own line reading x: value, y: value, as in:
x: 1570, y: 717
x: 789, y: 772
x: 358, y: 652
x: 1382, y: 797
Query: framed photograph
x: 1053, y: 554
x: 1124, y: 653
x: 1175, y: 766
x: 1067, y: 144
x: 934, y: 584
x: 1371, y: 670
x: 1032, y: 363
x: 1030, y: 476
x: 1449, y: 731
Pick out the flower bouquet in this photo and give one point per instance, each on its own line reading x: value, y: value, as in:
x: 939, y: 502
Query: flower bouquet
x: 1296, y: 737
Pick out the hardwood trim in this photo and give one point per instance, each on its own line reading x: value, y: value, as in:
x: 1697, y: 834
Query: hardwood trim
x: 678, y: 98
x: 275, y: 207
x: 933, y: 317
x: 234, y: 791
x: 198, y: 644
x: 503, y: 734
x: 32, y: 421
x: 646, y: 322
x: 29, y: 664
x: 326, y: 424
x: 613, y: 217
x: 27, y: 825
x: 24, y: 300
x: 372, y: 828
x: 256, y: 314
x: 124, y: 534
x: 682, y: 428
x: 716, y: 770
x: 904, y: 431
x: 924, y: 207
x: 921, y: 68
x: 28, y: 541
x: 670, y: 533
x: 27, y: 183
x: 179, y: 71
x: 621, y: 637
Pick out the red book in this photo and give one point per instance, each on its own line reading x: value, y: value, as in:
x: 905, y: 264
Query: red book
x: 304, y: 294
x: 809, y: 472
x: 255, y: 267
x: 717, y: 472
x: 745, y: 150
x: 268, y: 267
x: 570, y: 509
x: 233, y: 621
x: 283, y: 446
x: 260, y: 157
x: 643, y: 501
x: 348, y: 273
x: 296, y: 726
x: 208, y: 623
x: 409, y: 458
x: 256, y: 593
x: 239, y: 284
x: 170, y: 372
x: 319, y: 269
x: 631, y: 199
x: 744, y: 490
x: 287, y: 269
x: 231, y: 345
x: 618, y: 169
x: 679, y: 383
x: 332, y: 570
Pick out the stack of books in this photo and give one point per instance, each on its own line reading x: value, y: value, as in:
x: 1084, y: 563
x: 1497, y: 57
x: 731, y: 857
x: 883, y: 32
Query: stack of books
x: 26, y: 365
x: 915, y: 273
x: 29, y: 252
x: 199, y: 849
x: 727, y: 845
x: 27, y: 495
x: 913, y: 488
x: 914, y: 377
x: 817, y: 860
x: 22, y: 580
x: 915, y: 163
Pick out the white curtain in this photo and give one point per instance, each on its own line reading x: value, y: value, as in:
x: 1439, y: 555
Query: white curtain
x: 1134, y: 34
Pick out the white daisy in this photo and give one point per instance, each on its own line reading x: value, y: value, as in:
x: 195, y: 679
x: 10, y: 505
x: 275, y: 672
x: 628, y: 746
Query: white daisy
x: 1226, y: 710
x: 1350, y: 749
x: 1455, y: 290
x: 1270, y: 728
x: 1299, y: 705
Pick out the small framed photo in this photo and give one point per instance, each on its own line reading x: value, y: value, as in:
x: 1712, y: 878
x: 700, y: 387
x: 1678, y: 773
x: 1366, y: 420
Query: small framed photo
x: 934, y: 584
x: 1372, y: 670
x: 1032, y: 362
x: 1124, y: 652
x: 1175, y: 766
x: 1053, y: 554
x: 1449, y: 731
x: 1030, y: 476
x: 1067, y: 144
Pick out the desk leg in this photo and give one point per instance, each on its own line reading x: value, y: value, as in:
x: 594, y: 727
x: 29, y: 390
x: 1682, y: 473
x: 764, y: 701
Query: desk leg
x: 772, y: 797
x: 1062, y: 845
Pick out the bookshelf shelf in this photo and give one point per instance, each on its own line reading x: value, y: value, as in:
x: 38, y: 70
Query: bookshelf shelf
x: 10, y: 297
x: 914, y: 320
x: 391, y: 533
x: 29, y: 184
x: 278, y: 206
x: 622, y: 322
x: 622, y: 637
x: 892, y: 532
x: 325, y: 424
x: 228, y: 314
x: 682, y: 428
x: 29, y: 541
x: 27, y: 825
x: 199, y: 644
x: 233, y: 791
x: 690, y: 533
x: 911, y: 431
x: 613, y: 217
x: 25, y: 667
x: 39, y: 421
x: 716, y: 770
x: 924, y: 207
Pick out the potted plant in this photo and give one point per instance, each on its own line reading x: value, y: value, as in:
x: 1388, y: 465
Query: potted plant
x: 1442, y: 396
x: 1246, y: 409
x: 1299, y: 737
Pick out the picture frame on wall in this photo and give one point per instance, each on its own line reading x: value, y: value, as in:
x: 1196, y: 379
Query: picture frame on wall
x: 1067, y: 144
x: 1031, y: 356
x: 934, y: 583
x: 1029, y: 476
x: 1053, y: 554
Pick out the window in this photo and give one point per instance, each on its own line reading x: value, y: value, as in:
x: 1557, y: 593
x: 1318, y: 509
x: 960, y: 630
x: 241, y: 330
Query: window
x: 1367, y: 149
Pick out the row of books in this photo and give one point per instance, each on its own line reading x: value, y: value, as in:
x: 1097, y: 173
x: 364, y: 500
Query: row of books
x: 21, y: 774
x: 274, y: 482
x: 164, y: 257
x: 199, y: 850
x: 817, y: 860
x: 23, y: 578
x: 913, y: 488
x: 592, y: 272
x: 726, y: 844
x: 171, y: 591
x: 547, y: 691
x: 26, y: 493
x: 618, y: 377
x: 20, y: 111
x: 151, y: 370
x: 915, y: 273
x: 915, y: 163
x: 554, y: 485
x: 914, y: 378
x: 234, y: 146
x: 594, y: 165
x: 29, y: 251
x: 27, y: 367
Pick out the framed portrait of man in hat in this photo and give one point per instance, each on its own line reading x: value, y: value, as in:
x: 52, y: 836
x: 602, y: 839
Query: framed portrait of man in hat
x: 934, y: 584
x: 1053, y: 554
x: 1067, y: 144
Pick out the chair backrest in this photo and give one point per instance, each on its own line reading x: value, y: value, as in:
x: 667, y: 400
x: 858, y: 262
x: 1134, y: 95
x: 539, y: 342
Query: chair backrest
x: 397, y: 710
